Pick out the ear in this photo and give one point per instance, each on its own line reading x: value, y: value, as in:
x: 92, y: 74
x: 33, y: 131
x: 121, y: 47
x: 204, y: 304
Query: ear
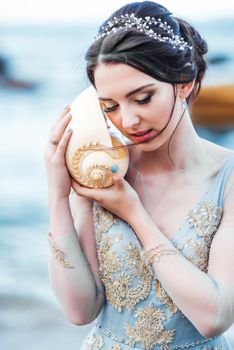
x: 184, y: 90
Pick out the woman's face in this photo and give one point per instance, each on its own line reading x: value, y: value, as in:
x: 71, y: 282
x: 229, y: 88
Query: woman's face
x: 137, y: 104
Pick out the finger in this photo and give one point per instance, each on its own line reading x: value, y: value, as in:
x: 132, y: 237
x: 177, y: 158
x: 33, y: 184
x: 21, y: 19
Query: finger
x: 63, y: 113
x: 61, y: 116
x: 116, y: 175
x: 58, y: 132
x: 62, y: 146
x: 83, y: 191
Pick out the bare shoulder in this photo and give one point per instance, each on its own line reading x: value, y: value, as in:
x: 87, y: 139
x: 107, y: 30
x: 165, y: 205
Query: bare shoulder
x: 219, y: 153
x: 221, y: 156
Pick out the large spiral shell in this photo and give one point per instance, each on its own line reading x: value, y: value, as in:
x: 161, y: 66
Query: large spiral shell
x: 92, y: 149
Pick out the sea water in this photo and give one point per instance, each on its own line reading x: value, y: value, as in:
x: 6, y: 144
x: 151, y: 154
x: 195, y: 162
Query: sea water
x: 52, y: 59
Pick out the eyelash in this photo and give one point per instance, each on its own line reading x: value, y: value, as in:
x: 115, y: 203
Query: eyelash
x: 140, y: 102
x: 144, y: 100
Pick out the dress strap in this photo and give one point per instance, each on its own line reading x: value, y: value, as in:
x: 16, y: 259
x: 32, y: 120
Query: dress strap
x: 223, y: 177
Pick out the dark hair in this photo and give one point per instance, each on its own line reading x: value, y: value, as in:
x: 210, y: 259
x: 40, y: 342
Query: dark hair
x: 158, y: 59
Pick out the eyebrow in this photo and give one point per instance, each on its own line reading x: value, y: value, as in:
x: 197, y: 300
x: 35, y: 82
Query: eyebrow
x: 129, y: 93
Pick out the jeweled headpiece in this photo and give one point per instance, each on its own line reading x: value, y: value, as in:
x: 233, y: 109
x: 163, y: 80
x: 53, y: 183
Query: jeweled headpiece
x: 144, y: 25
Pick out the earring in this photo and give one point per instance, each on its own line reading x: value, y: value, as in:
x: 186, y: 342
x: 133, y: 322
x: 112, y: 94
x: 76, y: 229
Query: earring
x: 184, y: 104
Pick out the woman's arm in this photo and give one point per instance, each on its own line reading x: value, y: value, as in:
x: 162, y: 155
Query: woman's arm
x: 78, y: 288
x: 206, y: 299
x: 72, y: 266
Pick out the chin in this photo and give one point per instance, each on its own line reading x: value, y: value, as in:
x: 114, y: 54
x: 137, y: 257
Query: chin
x: 152, y: 145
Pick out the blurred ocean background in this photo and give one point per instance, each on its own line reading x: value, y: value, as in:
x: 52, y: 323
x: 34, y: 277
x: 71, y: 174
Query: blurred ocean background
x: 45, y: 70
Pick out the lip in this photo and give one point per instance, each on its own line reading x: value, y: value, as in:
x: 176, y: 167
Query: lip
x: 144, y: 135
x: 139, y: 133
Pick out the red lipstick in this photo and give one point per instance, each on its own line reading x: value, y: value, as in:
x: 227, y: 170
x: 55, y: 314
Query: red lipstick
x: 143, y: 135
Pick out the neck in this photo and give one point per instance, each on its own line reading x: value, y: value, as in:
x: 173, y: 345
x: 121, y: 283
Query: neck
x: 183, y: 153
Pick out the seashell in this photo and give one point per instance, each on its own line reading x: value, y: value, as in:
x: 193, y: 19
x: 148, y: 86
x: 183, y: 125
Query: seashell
x: 91, y: 149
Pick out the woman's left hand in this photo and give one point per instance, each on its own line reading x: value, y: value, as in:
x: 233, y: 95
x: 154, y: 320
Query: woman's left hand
x: 120, y: 198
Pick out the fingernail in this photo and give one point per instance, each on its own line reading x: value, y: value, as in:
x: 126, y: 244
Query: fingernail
x: 67, y: 107
x: 114, y: 168
x: 68, y: 130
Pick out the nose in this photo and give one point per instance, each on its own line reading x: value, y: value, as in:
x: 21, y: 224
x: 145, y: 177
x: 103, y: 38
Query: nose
x: 130, y: 120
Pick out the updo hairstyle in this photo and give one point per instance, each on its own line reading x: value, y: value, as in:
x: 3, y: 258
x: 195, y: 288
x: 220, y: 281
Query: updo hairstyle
x: 160, y: 60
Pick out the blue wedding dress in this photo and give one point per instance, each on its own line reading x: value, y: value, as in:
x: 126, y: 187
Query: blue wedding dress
x: 138, y: 313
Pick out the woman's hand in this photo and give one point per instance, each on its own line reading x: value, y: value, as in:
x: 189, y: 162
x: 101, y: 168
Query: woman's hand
x: 120, y: 198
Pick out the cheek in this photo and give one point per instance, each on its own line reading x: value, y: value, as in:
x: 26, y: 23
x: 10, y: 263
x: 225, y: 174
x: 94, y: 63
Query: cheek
x: 162, y: 108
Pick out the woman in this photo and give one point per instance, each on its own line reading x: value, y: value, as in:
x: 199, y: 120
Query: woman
x: 157, y: 266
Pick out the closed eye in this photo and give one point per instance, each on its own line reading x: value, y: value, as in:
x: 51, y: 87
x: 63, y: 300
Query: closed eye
x: 142, y: 101
x: 145, y: 100
x: 109, y: 109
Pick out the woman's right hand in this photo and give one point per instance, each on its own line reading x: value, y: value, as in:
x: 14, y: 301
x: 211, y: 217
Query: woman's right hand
x: 59, y: 180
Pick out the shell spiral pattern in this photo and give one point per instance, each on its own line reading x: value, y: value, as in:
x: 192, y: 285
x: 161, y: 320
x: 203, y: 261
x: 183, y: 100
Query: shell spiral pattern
x: 95, y: 176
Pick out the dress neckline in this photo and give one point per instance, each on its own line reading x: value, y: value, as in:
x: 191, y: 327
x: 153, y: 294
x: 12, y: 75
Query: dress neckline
x: 201, y: 199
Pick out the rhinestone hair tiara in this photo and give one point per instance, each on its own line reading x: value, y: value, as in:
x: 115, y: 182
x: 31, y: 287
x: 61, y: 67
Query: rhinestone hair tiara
x: 143, y: 25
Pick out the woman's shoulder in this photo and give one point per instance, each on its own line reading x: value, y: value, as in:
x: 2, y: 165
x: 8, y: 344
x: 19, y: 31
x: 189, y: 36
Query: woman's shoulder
x: 224, y: 163
x: 219, y: 153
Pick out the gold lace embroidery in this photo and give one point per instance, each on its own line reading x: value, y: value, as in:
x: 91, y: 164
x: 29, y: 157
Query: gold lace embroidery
x: 201, y: 249
x: 149, y: 329
x: 109, y: 261
x: 205, y: 219
x: 140, y: 274
x: 128, y: 281
x: 132, y: 284
x: 103, y: 219
x: 99, y: 342
x: 162, y: 296
x: 92, y: 341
